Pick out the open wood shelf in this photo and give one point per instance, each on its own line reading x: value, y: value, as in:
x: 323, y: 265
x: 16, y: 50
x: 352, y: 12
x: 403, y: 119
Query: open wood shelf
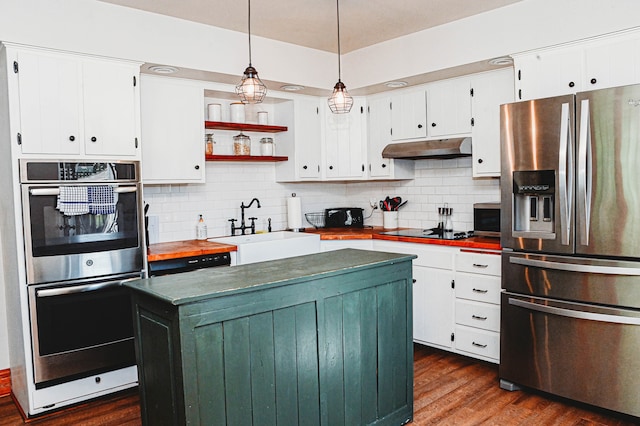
x: 255, y: 158
x: 249, y: 127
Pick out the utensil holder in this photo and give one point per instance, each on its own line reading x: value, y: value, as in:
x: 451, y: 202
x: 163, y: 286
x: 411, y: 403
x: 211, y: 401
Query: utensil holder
x: 390, y: 219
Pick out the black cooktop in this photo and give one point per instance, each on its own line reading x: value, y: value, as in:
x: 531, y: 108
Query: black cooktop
x: 434, y: 233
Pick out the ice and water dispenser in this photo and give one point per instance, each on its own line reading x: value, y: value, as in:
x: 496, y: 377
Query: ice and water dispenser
x: 533, y: 203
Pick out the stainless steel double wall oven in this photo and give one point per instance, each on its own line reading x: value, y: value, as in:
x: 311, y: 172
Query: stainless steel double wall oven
x: 76, y: 259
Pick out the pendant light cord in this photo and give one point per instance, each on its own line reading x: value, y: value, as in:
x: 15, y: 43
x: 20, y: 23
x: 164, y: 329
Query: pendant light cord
x: 249, y: 28
x: 338, y: 15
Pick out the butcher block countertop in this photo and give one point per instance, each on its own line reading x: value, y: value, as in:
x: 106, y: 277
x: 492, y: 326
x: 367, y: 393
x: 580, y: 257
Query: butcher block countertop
x: 188, y: 248
x: 486, y: 243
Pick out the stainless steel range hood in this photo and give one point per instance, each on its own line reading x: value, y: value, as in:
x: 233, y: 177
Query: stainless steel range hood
x: 443, y: 148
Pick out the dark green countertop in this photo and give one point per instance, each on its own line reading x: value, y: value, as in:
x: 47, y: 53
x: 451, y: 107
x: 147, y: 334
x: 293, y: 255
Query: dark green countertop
x: 188, y: 287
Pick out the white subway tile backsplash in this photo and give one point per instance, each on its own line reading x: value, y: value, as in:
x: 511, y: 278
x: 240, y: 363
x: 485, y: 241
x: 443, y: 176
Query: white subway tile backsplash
x: 229, y: 184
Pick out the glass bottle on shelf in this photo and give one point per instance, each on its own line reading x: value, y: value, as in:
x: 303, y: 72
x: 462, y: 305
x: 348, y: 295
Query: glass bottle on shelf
x: 208, y: 146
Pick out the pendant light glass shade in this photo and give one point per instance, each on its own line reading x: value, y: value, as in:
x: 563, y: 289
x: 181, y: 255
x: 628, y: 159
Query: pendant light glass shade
x: 251, y: 89
x: 340, y: 101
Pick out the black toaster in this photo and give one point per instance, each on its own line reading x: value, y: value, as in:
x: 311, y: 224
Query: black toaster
x: 344, y: 217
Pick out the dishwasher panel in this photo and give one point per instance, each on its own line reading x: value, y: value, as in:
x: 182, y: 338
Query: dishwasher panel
x: 585, y: 352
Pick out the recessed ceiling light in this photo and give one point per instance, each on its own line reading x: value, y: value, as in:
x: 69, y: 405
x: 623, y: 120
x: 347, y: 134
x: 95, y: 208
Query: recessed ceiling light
x: 395, y: 84
x: 504, y: 60
x: 163, y: 69
x: 292, y: 87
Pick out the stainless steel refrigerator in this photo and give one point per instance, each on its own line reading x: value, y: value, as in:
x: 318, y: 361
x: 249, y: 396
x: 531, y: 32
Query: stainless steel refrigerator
x: 570, y: 186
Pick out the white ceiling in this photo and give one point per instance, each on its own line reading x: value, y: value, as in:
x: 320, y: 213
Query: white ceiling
x: 312, y: 23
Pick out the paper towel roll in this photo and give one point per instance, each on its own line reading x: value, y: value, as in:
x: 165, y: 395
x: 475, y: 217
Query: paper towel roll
x: 294, y: 213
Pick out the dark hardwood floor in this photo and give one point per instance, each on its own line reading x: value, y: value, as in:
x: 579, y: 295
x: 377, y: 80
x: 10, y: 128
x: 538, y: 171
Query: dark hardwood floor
x: 449, y: 389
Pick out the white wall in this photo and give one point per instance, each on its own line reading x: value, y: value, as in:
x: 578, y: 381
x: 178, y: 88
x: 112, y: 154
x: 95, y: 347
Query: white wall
x: 4, y: 336
x: 522, y: 26
x: 91, y: 26
x: 229, y: 184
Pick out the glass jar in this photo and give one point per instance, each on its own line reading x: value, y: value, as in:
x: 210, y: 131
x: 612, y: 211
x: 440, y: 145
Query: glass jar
x: 241, y: 145
x: 266, y: 147
x: 208, y: 145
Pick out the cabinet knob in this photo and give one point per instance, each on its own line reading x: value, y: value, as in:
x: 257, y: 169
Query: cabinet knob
x: 93, y: 139
x: 197, y: 167
x: 419, y: 126
x: 72, y: 138
x: 330, y: 167
x: 480, y: 160
x: 571, y: 84
x: 304, y: 167
x: 594, y: 81
x: 433, y: 124
x: 384, y: 165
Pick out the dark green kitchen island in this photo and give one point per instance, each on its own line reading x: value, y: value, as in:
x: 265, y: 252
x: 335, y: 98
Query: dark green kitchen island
x: 322, y: 339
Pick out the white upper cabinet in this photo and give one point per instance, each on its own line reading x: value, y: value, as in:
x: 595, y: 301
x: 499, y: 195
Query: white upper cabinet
x: 379, y: 135
x: 345, y: 138
x: 448, y: 108
x: 172, y: 117
x: 408, y: 115
x: 552, y: 72
x: 50, y: 104
x: 594, y: 64
x: 303, y: 145
x: 111, y: 94
x: 75, y: 105
x: 490, y: 90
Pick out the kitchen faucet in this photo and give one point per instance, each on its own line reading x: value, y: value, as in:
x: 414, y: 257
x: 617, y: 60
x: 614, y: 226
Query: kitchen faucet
x: 242, y: 226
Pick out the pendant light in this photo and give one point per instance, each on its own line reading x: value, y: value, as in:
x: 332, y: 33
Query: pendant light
x: 340, y: 101
x: 251, y: 89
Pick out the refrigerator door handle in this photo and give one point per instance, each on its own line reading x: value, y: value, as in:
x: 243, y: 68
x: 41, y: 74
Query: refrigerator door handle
x: 571, y: 313
x: 576, y: 267
x: 565, y: 174
x: 584, y: 173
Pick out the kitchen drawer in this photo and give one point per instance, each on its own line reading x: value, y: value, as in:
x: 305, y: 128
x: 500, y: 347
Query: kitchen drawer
x: 482, y: 288
x: 477, y: 314
x: 431, y: 256
x: 478, y: 263
x: 478, y: 342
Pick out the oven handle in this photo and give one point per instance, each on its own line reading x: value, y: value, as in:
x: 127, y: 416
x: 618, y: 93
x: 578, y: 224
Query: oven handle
x: 63, y: 291
x: 570, y: 313
x: 574, y: 267
x: 56, y: 191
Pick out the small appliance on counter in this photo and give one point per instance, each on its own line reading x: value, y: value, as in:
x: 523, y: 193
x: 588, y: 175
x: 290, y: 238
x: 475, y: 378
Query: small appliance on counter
x: 344, y: 217
x: 486, y: 219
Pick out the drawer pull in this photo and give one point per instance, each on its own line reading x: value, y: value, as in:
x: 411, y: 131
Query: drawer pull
x: 479, y: 290
x: 480, y: 345
x: 479, y: 265
x: 479, y: 317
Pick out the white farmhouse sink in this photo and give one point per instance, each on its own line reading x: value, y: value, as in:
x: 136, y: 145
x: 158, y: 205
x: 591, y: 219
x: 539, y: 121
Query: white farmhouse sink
x: 273, y: 245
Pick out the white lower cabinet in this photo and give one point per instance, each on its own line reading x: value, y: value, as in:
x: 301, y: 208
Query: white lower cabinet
x: 456, y: 298
x: 330, y: 245
x: 432, y: 306
x: 433, y: 293
x: 477, y: 305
